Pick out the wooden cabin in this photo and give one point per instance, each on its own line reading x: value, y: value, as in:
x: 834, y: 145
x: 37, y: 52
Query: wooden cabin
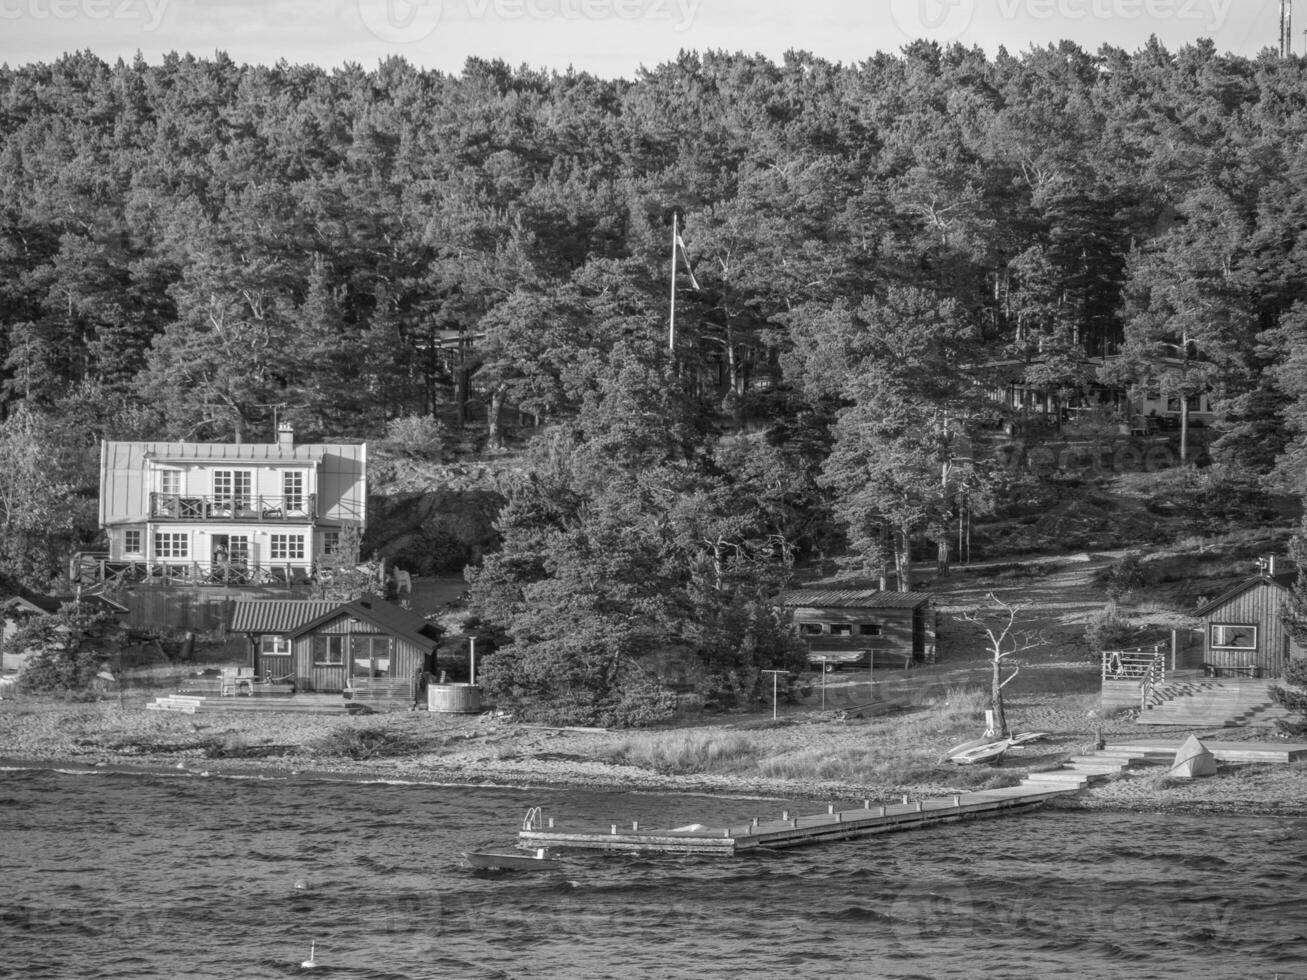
x: 331, y: 646
x: 863, y: 627
x: 1242, y: 632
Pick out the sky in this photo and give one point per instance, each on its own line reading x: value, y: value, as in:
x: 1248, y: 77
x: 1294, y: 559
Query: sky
x: 610, y: 38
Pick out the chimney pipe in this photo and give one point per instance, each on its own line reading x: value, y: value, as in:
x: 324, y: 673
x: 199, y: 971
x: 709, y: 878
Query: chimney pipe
x: 1271, y: 564
x: 285, y: 434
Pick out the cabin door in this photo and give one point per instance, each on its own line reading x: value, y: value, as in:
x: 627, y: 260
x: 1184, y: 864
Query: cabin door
x: 369, y: 659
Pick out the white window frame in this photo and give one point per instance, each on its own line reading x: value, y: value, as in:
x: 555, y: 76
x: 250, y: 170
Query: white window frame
x: 811, y: 629
x: 128, y: 535
x: 286, y: 547
x: 233, y: 487
x: 273, y: 645
x: 1220, y: 637
x: 172, y: 545
x: 323, y: 653
x: 170, y: 482
x: 292, y: 489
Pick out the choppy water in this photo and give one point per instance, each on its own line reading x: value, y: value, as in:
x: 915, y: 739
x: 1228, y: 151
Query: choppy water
x: 130, y: 876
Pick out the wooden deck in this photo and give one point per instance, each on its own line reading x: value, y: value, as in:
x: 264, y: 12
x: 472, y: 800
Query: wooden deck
x: 794, y: 829
x: 1164, y: 749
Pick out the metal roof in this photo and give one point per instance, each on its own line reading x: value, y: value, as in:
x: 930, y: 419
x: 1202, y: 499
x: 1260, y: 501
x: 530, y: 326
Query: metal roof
x: 1281, y: 580
x: 387, y: 616
x: 854, y: 598
x: 276, y: 615
x: 125, y: 480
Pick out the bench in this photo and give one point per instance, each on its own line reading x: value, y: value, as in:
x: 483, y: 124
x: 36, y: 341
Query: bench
x: 1231, y: 670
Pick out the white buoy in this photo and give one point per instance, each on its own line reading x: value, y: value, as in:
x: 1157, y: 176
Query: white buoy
x: 309, y: 963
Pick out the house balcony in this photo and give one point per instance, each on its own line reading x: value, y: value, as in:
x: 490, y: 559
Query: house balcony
x: 96, y: 569
x: 294, y: 509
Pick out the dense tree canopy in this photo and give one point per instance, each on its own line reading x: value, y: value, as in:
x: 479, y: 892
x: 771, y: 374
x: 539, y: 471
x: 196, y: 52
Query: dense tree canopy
x: 190, y: 248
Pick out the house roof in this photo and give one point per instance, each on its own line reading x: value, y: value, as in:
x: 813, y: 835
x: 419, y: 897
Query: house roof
x: 1281, y: 580
x: 53, y: 603
x: 276, y: 615
x: 854, y: 598
x: 126, y: 481
x: 386, y: 616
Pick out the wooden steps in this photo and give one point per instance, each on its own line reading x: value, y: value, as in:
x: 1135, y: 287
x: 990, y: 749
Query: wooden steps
x: 1209, y: 703
x: 1163, y: 750
x: 315, y: 704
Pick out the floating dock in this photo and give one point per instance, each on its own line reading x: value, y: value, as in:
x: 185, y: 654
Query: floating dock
x: 791, y: 829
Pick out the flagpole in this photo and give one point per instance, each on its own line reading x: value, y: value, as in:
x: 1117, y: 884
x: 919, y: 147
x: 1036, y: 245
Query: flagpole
x: 671, y: 320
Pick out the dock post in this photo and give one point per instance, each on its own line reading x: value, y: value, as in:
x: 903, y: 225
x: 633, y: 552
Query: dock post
x: 754, y: 823
x: 882, y: 811
x: 726, y: 833
x: 614, y: 829
x: 866, y: 804
x: 785, y: 814
x: 830, y: 808
x: 957, y: 800
x: 635, y: 824
x: 905, y: 799
x: 839, y: 817
x: 919, y: 806
x: 551, y: 823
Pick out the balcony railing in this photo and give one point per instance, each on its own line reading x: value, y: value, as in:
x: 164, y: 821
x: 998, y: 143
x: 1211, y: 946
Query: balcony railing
x: 91, y: 569
x: 287, y: 509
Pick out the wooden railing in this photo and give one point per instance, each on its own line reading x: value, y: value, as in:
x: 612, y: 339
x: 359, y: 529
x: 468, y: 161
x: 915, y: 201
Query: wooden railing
x: 294, y: 509
x: 1147, y: 665
x: 95, y: 569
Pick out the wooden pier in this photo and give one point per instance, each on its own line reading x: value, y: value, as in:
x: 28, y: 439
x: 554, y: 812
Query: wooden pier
x: 792, y: 829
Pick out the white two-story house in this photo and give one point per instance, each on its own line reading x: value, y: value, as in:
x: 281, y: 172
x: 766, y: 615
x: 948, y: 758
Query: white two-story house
x: 229, y: 513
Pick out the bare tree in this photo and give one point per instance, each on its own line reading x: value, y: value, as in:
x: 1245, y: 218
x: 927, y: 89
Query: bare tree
x: 1001, y: 624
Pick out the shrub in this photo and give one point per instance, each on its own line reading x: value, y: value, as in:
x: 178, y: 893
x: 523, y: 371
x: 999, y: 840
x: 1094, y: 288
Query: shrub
x: 1295, y: 672
x: 362, y: 743
x: 67, y: 650
x: 1108, y: 630
x: 422, y: 436
x: 1125, y: 576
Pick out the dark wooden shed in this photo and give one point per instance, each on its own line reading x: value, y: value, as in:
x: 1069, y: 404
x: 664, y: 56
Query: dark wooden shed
x: 331, y: 646
x: 1242, y: 632
x: 863, y: 626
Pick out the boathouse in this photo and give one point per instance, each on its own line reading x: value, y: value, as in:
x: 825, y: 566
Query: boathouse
x: 861, y: 627
x: 367, y: 645
x: 1242, y: 631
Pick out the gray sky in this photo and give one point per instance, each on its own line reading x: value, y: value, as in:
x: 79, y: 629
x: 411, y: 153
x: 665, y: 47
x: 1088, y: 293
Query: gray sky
x: 608, y: 37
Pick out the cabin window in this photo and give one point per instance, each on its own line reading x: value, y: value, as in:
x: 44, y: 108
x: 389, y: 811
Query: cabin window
x: 1234, y: 636
x: 810, y: 629
x: 329, y: 650
x: 274, y: 646
x: 841, y: 629
x: 171, y: 544
x: 292, y: 488
x: 331, y: 542
x: 869, y: 629
x: 131, y: 542
x: 286, y: 547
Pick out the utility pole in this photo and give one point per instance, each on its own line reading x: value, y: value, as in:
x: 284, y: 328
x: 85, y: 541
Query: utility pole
x: 775, y: 676
x: 1286, y: 28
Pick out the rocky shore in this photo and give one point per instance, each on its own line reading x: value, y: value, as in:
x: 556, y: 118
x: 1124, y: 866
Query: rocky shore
x: 783, y: 760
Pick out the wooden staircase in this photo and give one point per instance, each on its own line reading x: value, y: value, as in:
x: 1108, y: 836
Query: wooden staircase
x: 1094, y: 766
x: 1206, y: 702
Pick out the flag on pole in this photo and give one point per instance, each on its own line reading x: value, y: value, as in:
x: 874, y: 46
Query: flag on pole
x: 680, y: 248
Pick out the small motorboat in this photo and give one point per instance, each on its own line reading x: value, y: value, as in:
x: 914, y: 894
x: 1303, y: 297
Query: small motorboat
x: 540, y: 860
x: 976, y: 755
